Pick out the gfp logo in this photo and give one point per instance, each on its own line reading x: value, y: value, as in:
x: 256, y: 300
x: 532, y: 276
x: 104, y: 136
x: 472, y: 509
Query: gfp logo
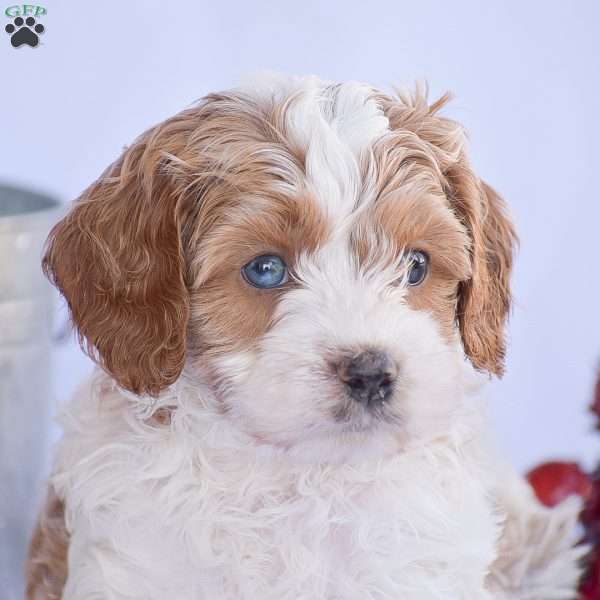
x: 24, y: 28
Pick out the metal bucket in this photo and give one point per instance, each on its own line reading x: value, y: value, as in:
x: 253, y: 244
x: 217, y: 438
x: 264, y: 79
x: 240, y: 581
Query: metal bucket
x: 26, y: 399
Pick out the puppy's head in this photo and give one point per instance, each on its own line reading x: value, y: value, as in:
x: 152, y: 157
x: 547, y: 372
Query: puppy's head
x: 323, y: 254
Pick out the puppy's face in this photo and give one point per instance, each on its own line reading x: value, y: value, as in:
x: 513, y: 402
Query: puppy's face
x: 322, y: 255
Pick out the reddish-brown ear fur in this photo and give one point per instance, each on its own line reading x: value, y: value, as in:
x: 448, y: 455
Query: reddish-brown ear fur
x: 117, y: 258
x: 484, y: 299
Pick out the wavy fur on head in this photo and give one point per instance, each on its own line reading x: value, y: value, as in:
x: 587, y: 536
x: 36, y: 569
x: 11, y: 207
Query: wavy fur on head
x: 222, y: 454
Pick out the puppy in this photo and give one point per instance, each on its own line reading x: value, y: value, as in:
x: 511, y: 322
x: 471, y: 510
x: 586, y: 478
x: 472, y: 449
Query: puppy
x: 290, y: 289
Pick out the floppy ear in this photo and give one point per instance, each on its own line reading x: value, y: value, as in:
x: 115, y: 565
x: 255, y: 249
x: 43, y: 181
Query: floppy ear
x: 483, y: 301
x: 117, y: 258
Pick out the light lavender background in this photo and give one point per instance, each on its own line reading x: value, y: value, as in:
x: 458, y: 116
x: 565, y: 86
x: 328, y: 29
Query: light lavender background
x: 526, y: 76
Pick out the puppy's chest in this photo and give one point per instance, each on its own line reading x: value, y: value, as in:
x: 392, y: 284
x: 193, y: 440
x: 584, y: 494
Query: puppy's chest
x: 387, y: 531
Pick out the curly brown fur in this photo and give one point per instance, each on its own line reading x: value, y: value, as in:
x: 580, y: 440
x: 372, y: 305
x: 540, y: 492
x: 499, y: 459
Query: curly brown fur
x: 47, y: 566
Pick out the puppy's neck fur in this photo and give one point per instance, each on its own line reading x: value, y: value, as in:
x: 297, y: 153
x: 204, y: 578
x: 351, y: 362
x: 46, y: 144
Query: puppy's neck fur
x: 247, y: 511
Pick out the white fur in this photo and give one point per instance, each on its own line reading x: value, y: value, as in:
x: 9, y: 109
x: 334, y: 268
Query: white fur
x: 538, y: 555
x: 200, y: 510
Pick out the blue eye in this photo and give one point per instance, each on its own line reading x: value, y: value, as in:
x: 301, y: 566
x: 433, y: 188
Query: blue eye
x: 267, y: 271
x: 419, y: 266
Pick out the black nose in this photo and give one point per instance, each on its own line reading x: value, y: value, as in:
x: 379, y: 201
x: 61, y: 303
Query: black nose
x: 369, y: 376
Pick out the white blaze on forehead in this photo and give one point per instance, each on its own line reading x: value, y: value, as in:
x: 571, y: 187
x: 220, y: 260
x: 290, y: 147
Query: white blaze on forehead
x: 333, y: 125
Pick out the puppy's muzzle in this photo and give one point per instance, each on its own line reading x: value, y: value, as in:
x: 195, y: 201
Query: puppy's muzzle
x: 369, y: 377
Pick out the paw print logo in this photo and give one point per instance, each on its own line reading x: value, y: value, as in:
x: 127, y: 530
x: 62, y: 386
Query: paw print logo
x: 24, y: 32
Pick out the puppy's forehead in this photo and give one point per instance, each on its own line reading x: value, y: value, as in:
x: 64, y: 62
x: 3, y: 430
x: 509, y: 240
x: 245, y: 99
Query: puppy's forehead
x: 333, y: 127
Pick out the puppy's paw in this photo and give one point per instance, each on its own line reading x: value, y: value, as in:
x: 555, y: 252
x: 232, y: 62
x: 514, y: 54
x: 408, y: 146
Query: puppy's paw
x: 537, y: 557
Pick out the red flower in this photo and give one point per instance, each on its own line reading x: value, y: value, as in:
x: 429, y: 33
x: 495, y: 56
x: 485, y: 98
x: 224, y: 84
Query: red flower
x: 555, y: 481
